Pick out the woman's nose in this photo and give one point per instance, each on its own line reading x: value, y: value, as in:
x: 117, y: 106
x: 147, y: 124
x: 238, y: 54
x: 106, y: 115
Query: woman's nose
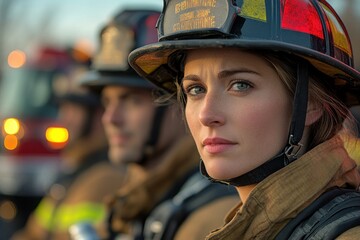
x: 211, y: 112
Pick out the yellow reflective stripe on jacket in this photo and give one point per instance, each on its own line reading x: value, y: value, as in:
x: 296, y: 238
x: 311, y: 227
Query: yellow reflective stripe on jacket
x: 352, y: 145
x: 43, y: 213
x: 67, y: 215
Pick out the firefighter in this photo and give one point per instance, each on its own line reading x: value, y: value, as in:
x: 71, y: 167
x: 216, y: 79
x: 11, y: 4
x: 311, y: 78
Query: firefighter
x: 86, y: 176
x: 266, y: 87
x: 162, y: 186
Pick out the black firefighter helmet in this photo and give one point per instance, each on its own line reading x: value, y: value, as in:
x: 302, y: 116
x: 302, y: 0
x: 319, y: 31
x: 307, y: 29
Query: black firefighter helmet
x: 128, y: 30
x: 310, y: 29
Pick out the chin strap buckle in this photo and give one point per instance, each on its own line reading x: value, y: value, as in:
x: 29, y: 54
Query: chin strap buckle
x: 291, y: 151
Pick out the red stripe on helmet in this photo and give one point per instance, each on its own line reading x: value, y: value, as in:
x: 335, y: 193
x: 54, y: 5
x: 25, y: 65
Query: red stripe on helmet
x: 301, y: 16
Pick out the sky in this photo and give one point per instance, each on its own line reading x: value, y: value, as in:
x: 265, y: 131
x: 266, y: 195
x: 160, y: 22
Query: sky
x: 63, y: 22
x: 86, y: 17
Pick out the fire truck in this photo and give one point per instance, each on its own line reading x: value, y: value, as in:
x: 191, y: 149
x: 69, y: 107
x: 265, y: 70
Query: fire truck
x: 31, y: 138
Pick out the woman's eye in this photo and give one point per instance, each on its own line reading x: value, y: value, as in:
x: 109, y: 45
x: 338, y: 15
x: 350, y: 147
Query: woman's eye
x: 240, y: 86
x: 194, y: 90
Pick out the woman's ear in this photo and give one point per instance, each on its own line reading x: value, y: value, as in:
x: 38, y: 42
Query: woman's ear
x: 313, y: 114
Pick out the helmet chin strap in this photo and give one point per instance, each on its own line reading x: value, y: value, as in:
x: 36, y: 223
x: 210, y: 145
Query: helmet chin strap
x: 291, y: 150
x: 154, y: 134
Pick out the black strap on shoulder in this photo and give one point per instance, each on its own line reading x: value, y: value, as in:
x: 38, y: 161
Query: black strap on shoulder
x: 165, y: 220
x: 333, y: 213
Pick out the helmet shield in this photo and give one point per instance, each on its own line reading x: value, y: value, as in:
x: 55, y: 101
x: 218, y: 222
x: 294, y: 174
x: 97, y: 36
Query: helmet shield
x: 306, y: 28
x: 126, y: 31
x: 180, y: 18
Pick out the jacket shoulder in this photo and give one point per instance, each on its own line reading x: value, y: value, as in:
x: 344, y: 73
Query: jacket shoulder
x: 350, y: 234
x: 196, y: 227
x: 95, y: 183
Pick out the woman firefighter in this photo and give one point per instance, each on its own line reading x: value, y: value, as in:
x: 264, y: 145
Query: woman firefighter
x: 266, y: 87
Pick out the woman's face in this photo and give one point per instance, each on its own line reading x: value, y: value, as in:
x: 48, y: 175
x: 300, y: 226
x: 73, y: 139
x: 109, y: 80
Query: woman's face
x: 238, y: 110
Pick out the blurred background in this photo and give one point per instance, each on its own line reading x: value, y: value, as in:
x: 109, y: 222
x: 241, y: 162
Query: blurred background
x: 44, y: 44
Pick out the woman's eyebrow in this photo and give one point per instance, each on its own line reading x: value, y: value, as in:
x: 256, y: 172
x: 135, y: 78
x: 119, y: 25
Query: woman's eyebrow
x: 229, y: 73
x: 191, y: 77
x: 222, y: 74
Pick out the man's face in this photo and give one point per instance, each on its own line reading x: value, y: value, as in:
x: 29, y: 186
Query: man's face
x: 127, y: 121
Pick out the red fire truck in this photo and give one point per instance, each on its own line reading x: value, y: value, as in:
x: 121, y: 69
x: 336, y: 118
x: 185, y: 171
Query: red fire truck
x: 30, y: 136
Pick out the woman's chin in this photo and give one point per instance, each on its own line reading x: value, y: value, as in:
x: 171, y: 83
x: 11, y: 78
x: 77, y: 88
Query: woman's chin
x: 219, y: 174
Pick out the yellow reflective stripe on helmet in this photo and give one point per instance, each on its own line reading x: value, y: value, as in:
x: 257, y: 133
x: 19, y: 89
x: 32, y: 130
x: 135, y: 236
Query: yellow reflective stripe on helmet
x: 340, y: 39
x: 254, y: 9
x: 67, y: 215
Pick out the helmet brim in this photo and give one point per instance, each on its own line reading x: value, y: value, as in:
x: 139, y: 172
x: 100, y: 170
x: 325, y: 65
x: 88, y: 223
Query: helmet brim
x: 95, y: 80
x: 151, y: 61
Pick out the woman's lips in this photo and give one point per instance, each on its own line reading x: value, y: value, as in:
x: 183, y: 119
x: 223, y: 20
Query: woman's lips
x: 217, y: 145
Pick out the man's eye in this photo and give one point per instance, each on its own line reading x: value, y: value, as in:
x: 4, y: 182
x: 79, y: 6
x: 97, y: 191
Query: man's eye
x: 135, y: 100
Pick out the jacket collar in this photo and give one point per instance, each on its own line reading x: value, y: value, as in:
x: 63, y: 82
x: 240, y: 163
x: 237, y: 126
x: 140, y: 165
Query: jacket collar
x: 282, y: 195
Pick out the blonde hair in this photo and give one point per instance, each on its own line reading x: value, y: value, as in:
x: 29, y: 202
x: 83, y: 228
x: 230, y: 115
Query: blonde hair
x: 320, y: 94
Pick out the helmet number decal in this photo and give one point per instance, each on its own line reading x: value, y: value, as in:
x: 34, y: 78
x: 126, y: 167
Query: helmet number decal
x: 188, y: 15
